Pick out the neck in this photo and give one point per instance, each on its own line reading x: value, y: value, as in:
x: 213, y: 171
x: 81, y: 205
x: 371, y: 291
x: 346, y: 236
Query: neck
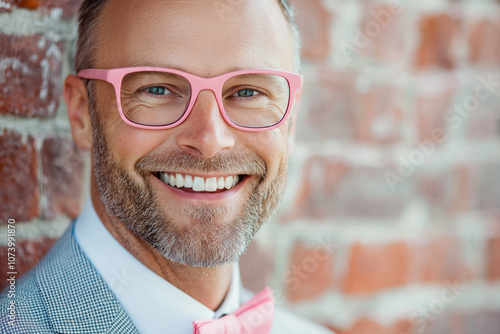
x: 209, y: 286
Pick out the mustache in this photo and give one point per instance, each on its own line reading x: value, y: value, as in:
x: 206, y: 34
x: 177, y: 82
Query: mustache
x: 223, y: 162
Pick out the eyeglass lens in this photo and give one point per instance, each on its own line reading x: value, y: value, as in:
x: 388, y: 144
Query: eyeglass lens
x: 162, y: 98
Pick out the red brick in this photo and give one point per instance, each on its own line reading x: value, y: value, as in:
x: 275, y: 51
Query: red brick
x: 438, y: 34
x: 69, y: 7
x: 383, y: 33
x: 439, y: 260
x: 378, y: 118
x: 400, y: 327
x: 493, y: 259
x: 369, y: 326
x: 461, y: 199
x: 446, y: 192
x: 62, y: 166
x: 484, y: 45
x: 29, y: 4
x: 485, y: 122
x: 462, y: 188
x: 310, y: 272
x: 332, y: 188
x: 432, y: 188
x: 256, y: 266
x: 19, y: 191
x: 377, y: 267
x: 336, y: 108
x: 30, y: 75
x: 492, y: 222
x: 435, y: 93
x: 28, y: 253
x: 313, y: 20
x: 320, y: 180
x: 328, y: 106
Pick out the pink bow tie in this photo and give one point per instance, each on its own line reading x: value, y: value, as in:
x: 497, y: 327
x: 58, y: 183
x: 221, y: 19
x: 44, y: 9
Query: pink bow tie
x: 253, y: 317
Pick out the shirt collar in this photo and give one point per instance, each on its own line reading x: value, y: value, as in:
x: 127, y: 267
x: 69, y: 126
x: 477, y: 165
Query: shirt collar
x: 154, y: 305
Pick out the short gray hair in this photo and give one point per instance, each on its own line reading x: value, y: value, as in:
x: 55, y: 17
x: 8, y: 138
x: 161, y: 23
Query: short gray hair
x: 88, y: 30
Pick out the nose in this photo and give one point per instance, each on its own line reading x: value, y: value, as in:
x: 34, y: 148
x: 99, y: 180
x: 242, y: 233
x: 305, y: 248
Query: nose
x: 205, y: 132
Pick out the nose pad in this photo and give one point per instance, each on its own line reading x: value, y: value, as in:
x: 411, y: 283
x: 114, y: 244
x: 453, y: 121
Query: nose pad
x: 205, y: 132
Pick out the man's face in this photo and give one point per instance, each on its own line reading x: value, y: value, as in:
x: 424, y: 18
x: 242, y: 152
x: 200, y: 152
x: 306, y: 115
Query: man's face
x: 197, y: 228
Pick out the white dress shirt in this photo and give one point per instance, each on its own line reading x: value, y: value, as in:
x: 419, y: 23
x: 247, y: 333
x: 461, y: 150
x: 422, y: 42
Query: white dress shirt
x: 154, y: 305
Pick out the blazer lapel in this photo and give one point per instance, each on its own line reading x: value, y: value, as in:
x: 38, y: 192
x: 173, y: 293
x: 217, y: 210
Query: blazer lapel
x: 76, y: 298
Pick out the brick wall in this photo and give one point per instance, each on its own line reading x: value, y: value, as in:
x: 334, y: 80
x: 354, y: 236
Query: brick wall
x: 41, y: 170
x: 391, y: 219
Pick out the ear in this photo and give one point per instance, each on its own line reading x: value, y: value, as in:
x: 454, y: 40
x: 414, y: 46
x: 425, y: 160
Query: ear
x: 76, y: 99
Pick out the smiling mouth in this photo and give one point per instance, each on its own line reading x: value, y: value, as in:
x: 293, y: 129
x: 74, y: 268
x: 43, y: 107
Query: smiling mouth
x: 199, y: 184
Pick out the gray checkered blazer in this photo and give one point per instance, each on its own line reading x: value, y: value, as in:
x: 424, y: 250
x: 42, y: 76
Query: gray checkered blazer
x: 64, y: 293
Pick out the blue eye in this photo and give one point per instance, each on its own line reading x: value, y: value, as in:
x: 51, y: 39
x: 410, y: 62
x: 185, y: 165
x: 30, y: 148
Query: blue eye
x: 158, y: 90
x: 246, y: 93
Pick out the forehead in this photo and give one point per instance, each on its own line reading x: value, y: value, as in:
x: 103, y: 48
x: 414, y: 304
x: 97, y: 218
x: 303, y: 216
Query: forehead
x: 203, y: 37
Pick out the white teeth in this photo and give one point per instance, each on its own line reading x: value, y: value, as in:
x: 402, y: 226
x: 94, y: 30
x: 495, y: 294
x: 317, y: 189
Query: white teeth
x: 198, y: 184
x: 211, y: 184
x: 228, y: 182
x: 188, y: 181
x: 179, y: 181
x: 220, y: 183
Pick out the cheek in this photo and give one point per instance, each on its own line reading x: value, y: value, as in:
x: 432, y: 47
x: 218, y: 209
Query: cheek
x: 129, y: 144
x: 272, y: 146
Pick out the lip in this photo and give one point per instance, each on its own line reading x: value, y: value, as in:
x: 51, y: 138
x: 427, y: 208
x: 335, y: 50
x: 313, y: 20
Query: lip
x: 207, y: 197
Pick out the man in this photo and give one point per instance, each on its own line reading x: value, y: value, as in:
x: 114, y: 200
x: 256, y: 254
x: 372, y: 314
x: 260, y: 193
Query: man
x: 187, y: 108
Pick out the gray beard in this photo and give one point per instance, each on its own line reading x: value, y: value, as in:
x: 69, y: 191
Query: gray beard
x: 209, y: 240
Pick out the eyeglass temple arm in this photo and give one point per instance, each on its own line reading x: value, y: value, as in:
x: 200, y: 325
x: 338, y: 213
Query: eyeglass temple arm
x: 93, y: 74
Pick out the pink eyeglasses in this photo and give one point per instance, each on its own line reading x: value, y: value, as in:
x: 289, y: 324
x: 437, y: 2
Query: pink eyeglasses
x: 162, y: 98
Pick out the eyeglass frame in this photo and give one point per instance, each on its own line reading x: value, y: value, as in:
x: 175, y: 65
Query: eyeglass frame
x: 198, y: 84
